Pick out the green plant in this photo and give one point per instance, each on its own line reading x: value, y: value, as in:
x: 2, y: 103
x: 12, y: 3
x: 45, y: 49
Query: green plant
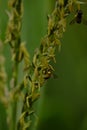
x: 38, y: 71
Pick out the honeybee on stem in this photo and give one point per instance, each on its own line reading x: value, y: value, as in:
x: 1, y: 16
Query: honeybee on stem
x: 78, y: 18
x: 48, y: 73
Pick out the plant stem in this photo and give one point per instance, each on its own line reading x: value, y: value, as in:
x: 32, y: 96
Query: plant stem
x: 14, y: 103
x: 14, y: 40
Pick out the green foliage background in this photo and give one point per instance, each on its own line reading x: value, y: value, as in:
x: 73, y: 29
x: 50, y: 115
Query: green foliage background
x: 63, y: 101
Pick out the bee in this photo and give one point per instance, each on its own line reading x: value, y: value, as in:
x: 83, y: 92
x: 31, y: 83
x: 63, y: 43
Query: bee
x: 78, y: 18
x: 48, y: 73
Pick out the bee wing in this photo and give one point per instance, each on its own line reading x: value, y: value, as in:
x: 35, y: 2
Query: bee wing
x: 73, y: 21
x: 84, y: 21
x: 55, y: 76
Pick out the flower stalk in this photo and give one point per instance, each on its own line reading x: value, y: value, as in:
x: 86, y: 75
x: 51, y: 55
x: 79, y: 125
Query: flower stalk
x: 13, y: 37
x: 41, y: 69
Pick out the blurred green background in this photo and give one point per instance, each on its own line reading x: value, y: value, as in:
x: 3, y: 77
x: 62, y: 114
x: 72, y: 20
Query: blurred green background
x: 63, y: 101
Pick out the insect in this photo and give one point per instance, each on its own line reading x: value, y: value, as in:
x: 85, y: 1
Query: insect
x: 78, y: 18
x: 48, y: 73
